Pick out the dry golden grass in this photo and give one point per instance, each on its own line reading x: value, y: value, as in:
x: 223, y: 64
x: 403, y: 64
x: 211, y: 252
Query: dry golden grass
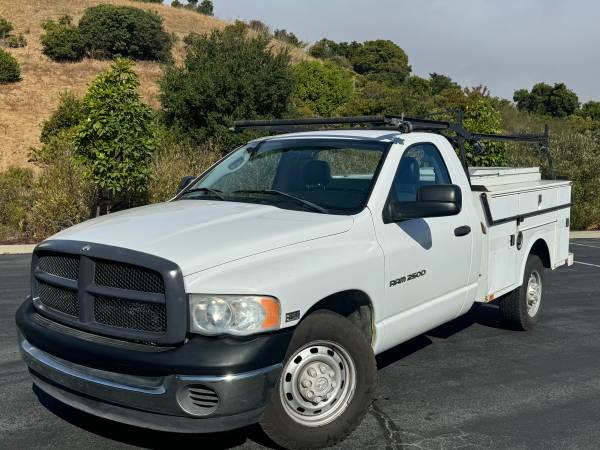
x: 24, y: 106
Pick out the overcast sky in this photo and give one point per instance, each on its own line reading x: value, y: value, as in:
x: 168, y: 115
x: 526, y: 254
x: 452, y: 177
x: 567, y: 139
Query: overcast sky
x: 504, y: 44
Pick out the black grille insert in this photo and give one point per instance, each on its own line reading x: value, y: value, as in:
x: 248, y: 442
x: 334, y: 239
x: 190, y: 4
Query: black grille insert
x: 127, y: 276
x: 65, y: 266
x: 130, y: 314
x: 59, y: 299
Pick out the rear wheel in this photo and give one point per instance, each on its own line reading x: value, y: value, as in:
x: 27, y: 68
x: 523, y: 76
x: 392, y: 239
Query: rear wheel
x: 326, y: 385
x: 522, y: 307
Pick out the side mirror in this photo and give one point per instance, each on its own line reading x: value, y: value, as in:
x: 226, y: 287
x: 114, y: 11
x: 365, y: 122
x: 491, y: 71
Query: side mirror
x: 185, y: 181
x: 436, y: 200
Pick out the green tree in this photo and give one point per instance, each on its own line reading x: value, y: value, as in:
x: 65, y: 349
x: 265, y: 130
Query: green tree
x: 381, y: 60
x: 376, y: 98
x: 325, y: 49
x: 110, y: 30
x: 321, y: 88
x: 227, y: 75
x: 591, y: 110
x: 206, y: 8
x: 555, y: 101
x: 440, y: 83
x: 116, y: 138
x: 482, y: 117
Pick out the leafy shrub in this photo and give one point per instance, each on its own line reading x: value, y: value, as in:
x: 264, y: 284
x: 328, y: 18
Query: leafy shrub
x: 10, y: 72
x: 591, y: 110
x: 62, y: 41
x: 62, y: 196
x: 17, y: 41
x: 482, y: 117
x: 5, y: 27
x: 68, y: 115
x: 175, y: 158
x: 15, y: 201
x: 321, y: 88
x: 176, y: 4
x: 227, y: 75
x: 110, y: 30
x: 577, y: 158
x: 116, y: 139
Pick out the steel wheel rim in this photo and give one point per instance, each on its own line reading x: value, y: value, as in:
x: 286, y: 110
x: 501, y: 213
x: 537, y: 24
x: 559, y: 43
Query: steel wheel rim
x: 534, y: 293
x: 332, y: 375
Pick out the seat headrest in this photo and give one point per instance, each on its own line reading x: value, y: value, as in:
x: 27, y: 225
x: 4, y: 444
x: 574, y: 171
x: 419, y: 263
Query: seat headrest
x: 316, y: 173
x: 409, y: 171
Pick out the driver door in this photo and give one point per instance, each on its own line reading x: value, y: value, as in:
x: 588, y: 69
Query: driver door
x: 426, y: 262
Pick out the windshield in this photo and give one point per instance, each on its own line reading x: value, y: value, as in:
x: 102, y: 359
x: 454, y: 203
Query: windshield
x: 321, y: 175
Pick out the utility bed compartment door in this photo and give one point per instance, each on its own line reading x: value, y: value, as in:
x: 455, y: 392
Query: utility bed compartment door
x: 518, y: 215
x: 502, y: 262
x: 534, y: 201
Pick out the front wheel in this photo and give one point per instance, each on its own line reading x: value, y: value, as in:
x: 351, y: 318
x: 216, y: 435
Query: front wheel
x: 326, y: 384
x: 522, y: 307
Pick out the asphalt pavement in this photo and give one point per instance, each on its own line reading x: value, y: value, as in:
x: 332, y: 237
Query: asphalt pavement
x: 469, y: 384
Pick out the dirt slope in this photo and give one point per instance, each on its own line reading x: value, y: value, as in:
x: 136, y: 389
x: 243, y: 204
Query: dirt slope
x: 25, y: 105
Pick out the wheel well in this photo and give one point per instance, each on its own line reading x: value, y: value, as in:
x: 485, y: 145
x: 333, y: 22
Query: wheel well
x: 540, y: 248
x: 355, y: 305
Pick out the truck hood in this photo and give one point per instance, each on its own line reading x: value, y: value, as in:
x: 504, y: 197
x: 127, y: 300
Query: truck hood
x: 199, y: 234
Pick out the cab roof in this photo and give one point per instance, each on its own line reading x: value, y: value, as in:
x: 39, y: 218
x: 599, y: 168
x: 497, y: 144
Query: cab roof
x: 364, y: 134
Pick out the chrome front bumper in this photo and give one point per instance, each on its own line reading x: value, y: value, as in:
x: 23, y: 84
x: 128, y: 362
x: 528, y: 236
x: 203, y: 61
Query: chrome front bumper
x: 153, y: 402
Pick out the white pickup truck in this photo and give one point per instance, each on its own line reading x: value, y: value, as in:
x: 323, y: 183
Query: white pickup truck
x: 263, y: 291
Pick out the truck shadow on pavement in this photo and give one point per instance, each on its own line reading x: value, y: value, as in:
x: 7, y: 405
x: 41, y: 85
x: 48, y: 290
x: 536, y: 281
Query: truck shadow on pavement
x: 482, y: 314
x: 486, y: 315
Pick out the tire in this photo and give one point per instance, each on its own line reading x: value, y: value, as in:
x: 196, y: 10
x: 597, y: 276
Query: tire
x: 329, y: 360
x: 522, y: 307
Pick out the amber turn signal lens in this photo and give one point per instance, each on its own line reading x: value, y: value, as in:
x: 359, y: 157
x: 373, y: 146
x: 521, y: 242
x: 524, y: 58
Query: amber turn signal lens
x: 272, y: 313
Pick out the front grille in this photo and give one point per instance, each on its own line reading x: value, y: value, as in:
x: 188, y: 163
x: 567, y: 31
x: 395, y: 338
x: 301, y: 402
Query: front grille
x: 198, y: 399
x: 63, y: 300
x: 131, y: 315
x: 127, y: 276
x: 65, y: 266
x: 111, y: 292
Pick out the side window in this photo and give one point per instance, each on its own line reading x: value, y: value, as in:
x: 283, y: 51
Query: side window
x: 421, y: 164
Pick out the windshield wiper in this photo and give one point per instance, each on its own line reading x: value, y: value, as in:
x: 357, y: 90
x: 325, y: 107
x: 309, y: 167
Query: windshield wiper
x: 217, y: 193
x: 298, y: 200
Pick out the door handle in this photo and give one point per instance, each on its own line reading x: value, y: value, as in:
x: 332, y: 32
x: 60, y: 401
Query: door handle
x: 462, y: 231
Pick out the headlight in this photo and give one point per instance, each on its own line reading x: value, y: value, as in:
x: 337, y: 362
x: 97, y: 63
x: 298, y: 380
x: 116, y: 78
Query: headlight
x: 233, y: 314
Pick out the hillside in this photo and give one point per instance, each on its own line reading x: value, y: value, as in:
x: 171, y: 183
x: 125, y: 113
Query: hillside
x: 25, y: 105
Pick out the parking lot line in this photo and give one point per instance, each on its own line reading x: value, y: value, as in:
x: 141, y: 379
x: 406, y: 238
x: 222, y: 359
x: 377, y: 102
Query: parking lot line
x: 587, y: 264
x: 586, y: 245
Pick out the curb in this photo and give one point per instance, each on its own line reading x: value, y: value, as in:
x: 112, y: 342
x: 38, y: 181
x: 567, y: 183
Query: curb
x: 585, y: 234
x: 20, y: 249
